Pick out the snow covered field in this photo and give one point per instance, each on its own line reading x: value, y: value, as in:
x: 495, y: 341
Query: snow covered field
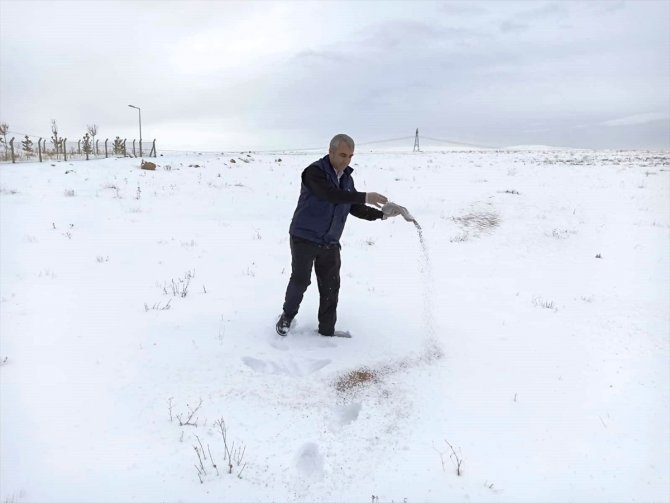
x: 531, y: 336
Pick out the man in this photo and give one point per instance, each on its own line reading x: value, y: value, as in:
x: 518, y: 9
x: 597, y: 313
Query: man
x: 327, y: 196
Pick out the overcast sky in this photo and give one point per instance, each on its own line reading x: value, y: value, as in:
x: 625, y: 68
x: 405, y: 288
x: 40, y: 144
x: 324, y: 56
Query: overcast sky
x: 261, y: 75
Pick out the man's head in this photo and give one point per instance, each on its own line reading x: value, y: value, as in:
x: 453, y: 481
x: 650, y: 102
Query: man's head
x: 341, y: 151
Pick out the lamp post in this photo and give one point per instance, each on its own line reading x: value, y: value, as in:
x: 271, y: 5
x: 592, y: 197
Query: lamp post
x: 139, y: 111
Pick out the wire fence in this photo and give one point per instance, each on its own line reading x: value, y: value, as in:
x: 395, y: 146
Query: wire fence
x: 20, y: 147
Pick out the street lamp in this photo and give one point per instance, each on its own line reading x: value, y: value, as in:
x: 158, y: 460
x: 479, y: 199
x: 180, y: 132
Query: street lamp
x: 139, y: 111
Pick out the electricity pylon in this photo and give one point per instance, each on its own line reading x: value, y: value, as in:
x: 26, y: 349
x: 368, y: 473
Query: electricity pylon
x: 416, y: 141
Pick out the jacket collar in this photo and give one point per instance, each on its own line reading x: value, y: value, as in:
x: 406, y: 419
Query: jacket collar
x: 326, y: 160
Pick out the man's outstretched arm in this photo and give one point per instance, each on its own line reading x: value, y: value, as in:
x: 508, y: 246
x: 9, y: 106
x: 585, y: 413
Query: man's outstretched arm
x: 365, y: 212
x: 317, y: 181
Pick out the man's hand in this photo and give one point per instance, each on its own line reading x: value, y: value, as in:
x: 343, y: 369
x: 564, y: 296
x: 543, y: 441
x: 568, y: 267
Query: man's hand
x: 375, y: 199
x: 393, y: 210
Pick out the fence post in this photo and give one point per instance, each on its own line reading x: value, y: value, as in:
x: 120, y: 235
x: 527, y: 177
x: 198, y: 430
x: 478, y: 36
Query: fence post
x: 11, y: 144
x: 106, y: 139
x: 65, y: 149
x: 39, y: 148
x: 125, y: 152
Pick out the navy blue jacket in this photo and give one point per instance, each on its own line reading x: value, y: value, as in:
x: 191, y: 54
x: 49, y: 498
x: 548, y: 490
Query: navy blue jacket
x: 324, y: 204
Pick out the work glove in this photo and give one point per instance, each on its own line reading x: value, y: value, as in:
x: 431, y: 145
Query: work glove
x: 375, y: 199
x: 393, y: 210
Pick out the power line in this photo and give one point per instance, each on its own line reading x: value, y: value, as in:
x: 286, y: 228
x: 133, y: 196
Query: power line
x: 384, y: 141
x: 301, y: 149
x: 458, y: 142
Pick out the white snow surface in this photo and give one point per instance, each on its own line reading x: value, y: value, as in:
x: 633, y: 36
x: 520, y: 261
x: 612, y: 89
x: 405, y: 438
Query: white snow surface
x: 531, y: 333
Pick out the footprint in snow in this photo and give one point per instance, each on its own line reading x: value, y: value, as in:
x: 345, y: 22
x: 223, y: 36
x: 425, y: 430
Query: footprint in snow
x: 309, y: 461
x: 287, y: 367
x: 308, y: 340
x: 347, y: 414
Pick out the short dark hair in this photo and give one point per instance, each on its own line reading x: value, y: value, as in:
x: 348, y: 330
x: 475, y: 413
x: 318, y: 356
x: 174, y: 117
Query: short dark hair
x: 339, y: 138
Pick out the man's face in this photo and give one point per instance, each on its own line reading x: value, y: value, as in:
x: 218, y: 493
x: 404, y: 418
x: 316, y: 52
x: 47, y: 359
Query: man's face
x: 341, y: 156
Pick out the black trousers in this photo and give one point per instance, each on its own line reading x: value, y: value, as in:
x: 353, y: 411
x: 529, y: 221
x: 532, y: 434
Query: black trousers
x: 326, y: 262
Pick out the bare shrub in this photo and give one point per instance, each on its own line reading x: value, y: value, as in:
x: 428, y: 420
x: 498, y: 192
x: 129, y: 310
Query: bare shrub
x: 157, y: 306
x: 459, y: 238
x: 545, y: 304
x: 563, y: 233
x: 189, y: 421
x: 179, y: 288
x: 457, y: 458
x: 232, y: 454
x: 479, y: 221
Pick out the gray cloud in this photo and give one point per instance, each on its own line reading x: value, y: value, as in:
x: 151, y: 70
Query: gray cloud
x: 551, y: 11
x: 511, y: 26
x: 464, y: 8
x: 632, y: 120
x: 487, y: 73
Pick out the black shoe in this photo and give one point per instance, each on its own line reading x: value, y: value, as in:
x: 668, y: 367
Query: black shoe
x: 283, y: 325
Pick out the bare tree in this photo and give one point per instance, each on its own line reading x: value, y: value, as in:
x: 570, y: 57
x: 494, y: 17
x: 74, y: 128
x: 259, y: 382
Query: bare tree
x: 87, y: 145
x: 93, y: 130
x: 4, y: 128
x: 54, y: 139
x: 119, y: 147
x: 27, y: 145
